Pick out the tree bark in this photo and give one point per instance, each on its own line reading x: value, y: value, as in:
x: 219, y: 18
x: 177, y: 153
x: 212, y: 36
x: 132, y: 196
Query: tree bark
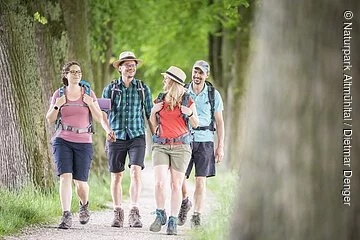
x: 24, y: 155
x: 291, y: 167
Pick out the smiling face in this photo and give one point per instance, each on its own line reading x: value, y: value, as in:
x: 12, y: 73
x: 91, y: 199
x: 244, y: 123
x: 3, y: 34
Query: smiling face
x: 128, y: 69
x: 74, y: 74
x: 198, y: 76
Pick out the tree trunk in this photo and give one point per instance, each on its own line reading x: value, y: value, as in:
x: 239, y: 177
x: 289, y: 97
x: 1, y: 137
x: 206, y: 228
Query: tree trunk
x: 291, y: 167
x: 24, y: 155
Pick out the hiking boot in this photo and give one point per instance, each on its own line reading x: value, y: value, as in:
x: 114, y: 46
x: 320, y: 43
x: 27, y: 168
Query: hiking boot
x: 195, y: 220
x: 159, y: 220
x: 172, y: 226
x: 118, y: 218
x: 185, y: 208
x: 84, y: 214
x: 66, y: 220
x: 134, y: 218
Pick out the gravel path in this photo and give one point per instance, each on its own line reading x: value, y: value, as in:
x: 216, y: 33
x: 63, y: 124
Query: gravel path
x: 99, y: 224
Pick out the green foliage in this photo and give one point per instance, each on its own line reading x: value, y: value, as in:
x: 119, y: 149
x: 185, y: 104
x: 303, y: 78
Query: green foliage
x: 39, y: 18
x: 217, y: 226
x: 31, y: 205
x: 162, y: 33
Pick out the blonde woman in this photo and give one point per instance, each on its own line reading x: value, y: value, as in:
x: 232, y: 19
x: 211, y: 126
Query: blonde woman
x: 172, y: 115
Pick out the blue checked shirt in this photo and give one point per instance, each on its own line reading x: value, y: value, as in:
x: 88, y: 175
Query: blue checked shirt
x: 126, y: 114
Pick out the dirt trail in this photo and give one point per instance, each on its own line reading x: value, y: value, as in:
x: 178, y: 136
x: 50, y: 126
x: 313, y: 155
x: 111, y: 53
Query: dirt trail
x: 99, y: 224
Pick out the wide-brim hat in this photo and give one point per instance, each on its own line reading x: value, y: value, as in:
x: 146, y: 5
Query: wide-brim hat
x: 126, y: 56
x: 176, y: 74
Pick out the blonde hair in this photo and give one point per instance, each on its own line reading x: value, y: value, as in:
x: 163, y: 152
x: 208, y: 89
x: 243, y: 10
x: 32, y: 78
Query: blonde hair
x: 174, y: 95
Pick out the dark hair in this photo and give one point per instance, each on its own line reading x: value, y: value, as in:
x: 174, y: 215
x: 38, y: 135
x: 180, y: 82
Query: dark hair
x: 66, y: 69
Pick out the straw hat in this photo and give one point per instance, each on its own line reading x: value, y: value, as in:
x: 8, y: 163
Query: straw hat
x: 126, y: 56
x: 176, y: 74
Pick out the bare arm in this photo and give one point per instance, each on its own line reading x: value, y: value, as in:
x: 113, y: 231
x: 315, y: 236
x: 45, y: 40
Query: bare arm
x: 94, y: 107
x: 152, y: 120
x: 220, y: 130
x: 192, y: 114
x: 110, y: 134
x: 52, y: 113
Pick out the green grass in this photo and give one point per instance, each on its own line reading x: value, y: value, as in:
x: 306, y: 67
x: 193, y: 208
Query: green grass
x: 30, y: 205
x: 223, y: 186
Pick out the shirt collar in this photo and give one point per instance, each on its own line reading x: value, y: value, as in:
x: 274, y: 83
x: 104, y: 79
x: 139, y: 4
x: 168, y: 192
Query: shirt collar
x: 133, y: 82
x: 204, y: 90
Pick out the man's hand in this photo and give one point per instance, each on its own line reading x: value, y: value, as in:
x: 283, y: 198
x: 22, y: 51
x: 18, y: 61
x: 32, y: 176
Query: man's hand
x: 219, y: 154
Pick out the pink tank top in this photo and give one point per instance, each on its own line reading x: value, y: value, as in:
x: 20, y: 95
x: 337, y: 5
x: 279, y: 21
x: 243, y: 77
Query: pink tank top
x: 75, y: 116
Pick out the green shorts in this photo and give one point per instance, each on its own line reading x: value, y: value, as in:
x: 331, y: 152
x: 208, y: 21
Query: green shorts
x: 175, y: 156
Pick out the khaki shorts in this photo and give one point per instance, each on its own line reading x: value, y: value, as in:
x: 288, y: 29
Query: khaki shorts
x: 175, y: 156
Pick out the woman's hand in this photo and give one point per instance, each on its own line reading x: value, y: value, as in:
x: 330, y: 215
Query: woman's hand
x: 88, y: 100
x: 157, y: 107
x: 60, y: 101
x: 110, y: 136
x: 185, y: 110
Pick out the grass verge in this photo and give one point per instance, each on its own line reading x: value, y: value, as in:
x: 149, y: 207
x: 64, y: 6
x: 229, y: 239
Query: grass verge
x: 216, y: 227
x: 32, y: 206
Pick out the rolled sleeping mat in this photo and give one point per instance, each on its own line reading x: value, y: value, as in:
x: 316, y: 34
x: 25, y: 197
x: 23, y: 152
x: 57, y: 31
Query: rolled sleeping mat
x: 104, y: 103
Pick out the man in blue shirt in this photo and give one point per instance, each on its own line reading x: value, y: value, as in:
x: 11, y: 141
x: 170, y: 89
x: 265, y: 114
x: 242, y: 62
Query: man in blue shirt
x: 209, y: 107
x: 126, y: 134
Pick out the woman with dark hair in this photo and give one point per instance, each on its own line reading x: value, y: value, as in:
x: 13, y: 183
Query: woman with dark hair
x: 72, y: 109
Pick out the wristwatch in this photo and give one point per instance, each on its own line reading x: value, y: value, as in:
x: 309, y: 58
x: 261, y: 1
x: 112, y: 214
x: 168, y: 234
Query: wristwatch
x: 56, y: 107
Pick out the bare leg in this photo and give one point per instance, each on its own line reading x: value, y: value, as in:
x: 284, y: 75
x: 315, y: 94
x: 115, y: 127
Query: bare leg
x: 199, y: 194
x: 135, y: 184
x: 116, y: 189
x: 177, y: 179
x: 65, y: 191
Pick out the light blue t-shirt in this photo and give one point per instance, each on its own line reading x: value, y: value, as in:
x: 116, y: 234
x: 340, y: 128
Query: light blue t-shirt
x: 203, y: 109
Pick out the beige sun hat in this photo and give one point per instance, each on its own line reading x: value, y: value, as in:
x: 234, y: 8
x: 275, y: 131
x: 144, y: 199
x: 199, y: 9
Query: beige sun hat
x: 176, y: 74
x: 126, y: 56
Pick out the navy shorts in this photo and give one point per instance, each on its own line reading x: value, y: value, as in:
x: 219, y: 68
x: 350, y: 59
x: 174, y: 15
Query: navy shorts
x: 117, y: 152
x: 71, y: 157
x: 203, y: 158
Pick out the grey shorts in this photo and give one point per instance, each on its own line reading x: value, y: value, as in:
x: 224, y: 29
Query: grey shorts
x: 174, y: 156
x: 117, y: 152
x: 203, y: 158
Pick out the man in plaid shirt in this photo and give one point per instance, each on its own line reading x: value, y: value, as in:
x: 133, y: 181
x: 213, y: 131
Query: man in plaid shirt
x: 125, y: 130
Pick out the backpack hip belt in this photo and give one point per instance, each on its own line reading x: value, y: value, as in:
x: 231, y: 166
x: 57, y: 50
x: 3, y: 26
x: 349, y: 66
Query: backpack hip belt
x: 185, y: 139
x: 89, y: 129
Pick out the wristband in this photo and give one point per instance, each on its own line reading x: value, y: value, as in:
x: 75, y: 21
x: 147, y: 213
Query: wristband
x: 191, y: 115
x: 56, y: 107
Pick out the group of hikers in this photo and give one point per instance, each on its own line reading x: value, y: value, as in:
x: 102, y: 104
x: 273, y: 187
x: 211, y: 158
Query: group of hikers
x: 183, y: 120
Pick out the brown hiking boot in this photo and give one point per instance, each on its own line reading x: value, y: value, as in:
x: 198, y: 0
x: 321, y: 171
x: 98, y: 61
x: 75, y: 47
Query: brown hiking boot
x: 185, y: 208
x: 195, y: 220
x: 66, y: 220
x: 134, y: 218
x: 84, y: 214
x: 118, y: 218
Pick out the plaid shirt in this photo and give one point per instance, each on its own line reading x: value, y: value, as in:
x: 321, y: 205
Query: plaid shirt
x: 126, y: 114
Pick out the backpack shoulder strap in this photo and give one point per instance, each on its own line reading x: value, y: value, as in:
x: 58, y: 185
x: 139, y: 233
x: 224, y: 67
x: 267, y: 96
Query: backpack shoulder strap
x: 114, y: 89
x: 62, y: 91
x: 160, y: 97
x: 185, y: 99
x: 140, y: 88
x: 211, y: 95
